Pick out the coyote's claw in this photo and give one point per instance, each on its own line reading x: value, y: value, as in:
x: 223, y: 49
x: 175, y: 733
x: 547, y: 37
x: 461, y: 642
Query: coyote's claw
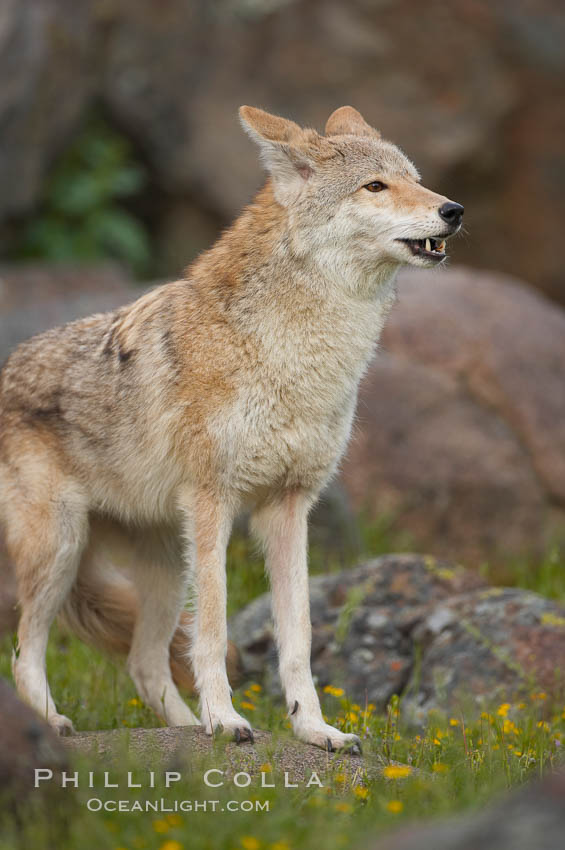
x: 355, y: 749
x: 241, y: 735
x: 230, y: 725
x: 313, y: 730
x: 61, y: 725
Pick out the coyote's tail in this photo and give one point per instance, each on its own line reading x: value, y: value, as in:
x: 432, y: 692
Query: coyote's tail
x: 102, y: 613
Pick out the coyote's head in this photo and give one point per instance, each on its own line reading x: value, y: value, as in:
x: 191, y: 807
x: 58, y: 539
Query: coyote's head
x: 352, y: 193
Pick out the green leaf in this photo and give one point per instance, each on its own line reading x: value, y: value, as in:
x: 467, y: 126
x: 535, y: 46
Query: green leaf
x: 120, y: 235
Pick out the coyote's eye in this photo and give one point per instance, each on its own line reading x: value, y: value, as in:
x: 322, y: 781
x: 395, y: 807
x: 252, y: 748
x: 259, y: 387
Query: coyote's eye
x: 375, y: 186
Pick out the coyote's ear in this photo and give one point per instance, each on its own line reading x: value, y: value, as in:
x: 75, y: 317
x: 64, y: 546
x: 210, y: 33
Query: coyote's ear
x: 282, y: 150
x: 347, y: 121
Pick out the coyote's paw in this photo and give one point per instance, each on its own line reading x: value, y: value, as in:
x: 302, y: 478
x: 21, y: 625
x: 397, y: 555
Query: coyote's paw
x: 61, y: 725
x: 315, y: 731
x: 232, y: 725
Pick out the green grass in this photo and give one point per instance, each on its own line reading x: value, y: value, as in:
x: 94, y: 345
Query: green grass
x: 451, y: 765
x: 546, y: 576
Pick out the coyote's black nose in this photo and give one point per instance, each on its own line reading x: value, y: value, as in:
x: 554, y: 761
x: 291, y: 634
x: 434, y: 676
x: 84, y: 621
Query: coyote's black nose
x: 451, y: 212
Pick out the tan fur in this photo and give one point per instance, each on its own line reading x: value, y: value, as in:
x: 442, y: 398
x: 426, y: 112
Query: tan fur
x: 129, y: 441
x: 104, y: 615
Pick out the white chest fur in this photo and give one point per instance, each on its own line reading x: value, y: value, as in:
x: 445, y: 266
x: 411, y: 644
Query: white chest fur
x: 291, y: 420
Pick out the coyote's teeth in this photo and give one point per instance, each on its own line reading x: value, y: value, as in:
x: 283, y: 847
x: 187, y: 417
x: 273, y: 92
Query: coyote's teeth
x: 428, y: 245
x: 441, y: 246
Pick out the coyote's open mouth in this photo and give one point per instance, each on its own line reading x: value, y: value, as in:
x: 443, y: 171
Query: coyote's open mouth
x: 432, y: 247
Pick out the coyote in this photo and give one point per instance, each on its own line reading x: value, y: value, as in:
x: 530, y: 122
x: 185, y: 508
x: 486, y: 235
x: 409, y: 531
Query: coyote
x: 129, y: 441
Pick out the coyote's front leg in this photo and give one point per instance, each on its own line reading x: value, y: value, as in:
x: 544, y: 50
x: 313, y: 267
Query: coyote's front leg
x: 209, y: 523
x: 282, y: 527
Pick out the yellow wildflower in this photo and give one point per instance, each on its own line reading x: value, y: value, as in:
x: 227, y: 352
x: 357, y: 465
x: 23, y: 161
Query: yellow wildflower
x: 266, y: 768
x: 439, y: 767
x: 174, y: 820
x: 360, y: 792
x: 249, y: 842
x: 171, y: 845
x: 160, y: 826
x: 395, y: 806
x: 135, y: 702
x: 335, y: 692
x: 249, y: 694
x: 453, y: 721
x: 280, y: 845
x: 343, y: 807
x: 397, y: 771
x: 248, y: 706
x: 255, y: 687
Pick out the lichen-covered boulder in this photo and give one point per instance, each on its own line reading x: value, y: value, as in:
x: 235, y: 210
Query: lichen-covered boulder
x: 421, y: 628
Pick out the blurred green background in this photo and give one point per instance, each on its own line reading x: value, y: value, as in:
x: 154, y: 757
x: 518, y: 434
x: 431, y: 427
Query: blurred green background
x: 120, y: 137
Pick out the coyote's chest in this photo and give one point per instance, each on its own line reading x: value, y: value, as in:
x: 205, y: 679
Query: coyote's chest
x: 276, y: 439
x: 291, y: 419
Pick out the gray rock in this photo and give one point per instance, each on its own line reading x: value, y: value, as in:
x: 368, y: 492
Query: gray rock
x: 414, y: 626
x: 26, y: 743
x: 184, y: 746
x: 495, y: 644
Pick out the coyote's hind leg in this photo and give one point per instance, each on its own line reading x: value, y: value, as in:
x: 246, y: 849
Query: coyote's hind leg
x: 161, y: 579
x: 46, y: 531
